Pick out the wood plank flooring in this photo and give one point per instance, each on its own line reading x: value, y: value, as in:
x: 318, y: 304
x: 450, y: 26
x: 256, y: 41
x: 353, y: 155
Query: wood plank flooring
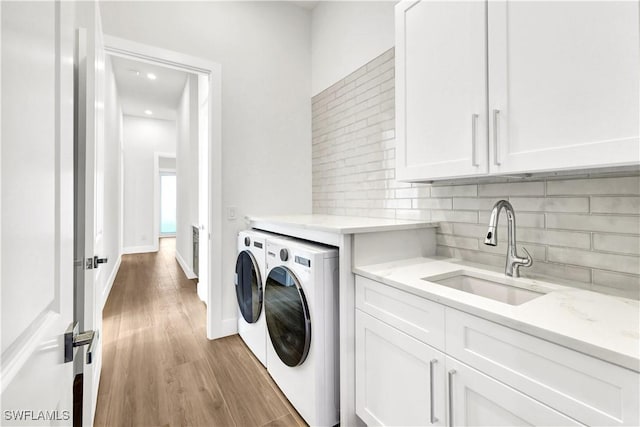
x: 158, y: 366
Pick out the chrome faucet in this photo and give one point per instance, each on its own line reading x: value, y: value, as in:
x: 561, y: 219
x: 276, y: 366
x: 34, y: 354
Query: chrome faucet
x: 513, y: 260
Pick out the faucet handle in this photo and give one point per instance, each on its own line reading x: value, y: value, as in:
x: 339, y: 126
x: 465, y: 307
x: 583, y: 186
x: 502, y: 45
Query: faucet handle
x: 528, y: 259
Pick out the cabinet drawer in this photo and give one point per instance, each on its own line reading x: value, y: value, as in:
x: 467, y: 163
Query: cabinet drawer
x: 587, y: 389
x: 418, y: 317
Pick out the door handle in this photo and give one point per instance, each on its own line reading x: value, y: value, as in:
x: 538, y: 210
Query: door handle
x: 74, y: 339
x: 450, y: 375
x: 431, y: 391
x: 97, y: 261
x: 496, y: 141
x: 474, y: 142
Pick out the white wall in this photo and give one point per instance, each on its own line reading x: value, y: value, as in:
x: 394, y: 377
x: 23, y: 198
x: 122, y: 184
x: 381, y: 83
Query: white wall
x: 264, y: 51
x: 187, y: 170
x: 142, y: 138
x: 346, y: 35
x: 112, y: 227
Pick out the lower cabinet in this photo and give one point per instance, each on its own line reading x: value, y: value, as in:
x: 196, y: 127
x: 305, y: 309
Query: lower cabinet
x: 418, y: 366
x: 400, y: 381
x: 475, y: 399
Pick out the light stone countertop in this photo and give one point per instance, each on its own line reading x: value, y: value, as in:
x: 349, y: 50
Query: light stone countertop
x: 600, y: 325
x: 337, y: 224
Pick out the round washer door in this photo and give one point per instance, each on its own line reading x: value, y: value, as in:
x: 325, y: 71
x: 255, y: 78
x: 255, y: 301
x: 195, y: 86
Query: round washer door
x: 248, y: 287
x: 288, y: 320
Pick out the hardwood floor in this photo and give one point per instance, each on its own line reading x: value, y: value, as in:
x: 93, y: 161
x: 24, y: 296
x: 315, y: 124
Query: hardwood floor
x: 158, y: 366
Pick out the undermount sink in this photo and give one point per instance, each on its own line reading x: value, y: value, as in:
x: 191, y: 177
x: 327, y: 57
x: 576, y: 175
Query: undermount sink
x: 485, y: 286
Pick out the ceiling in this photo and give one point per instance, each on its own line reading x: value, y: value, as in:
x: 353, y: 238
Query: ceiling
x: 138, y: 93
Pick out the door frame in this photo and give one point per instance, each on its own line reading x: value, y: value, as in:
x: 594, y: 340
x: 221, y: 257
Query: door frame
x: 157, y: 170
x: 116, y: 46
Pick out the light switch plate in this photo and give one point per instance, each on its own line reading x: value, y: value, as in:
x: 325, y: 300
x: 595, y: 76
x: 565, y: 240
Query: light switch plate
x: 232, y: 213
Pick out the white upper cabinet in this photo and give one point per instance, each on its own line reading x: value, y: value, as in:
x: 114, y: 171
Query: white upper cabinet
x: 563, y: 87
x: 441, y: 111
x: 564, y: 78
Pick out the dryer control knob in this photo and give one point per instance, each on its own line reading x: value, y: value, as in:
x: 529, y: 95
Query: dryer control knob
x: 284, y: 254
x: 247, y: 241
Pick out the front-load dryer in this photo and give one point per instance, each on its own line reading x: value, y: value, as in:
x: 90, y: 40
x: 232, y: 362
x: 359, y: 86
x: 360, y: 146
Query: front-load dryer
x: 301, y: 310
x: 249, y: 280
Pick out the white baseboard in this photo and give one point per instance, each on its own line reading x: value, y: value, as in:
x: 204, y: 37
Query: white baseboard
x: 139, y: 249
x: 110, y: 281
x: 202, y: 293
x: 188, y: 271
x: 227, y: 328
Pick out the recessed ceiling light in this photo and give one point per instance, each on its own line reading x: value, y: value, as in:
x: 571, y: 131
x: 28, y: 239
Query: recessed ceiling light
x: 148, y: 112
x: 151, y: 76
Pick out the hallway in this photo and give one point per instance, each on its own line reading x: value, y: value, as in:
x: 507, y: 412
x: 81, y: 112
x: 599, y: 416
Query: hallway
x: 160, y: 369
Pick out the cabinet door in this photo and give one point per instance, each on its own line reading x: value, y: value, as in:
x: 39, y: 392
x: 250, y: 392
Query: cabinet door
x: 441, y: 119
x: 478, y: 400
x: 399, y: 380
x: 563, y: 85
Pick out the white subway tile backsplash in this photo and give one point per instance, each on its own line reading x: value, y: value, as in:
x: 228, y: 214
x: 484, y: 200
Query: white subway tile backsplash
x: 598, y: 260
x: 538, y: 252
x: 584, y: 232
x: 413, y: 192
x: 595, y: 186
x: 628, y: 285
x: 446, y: 228
x: 454, y: 190
x: 550, y: 204
x: 523, y: 219
x: 617, y: 243
x: 457, y: 241
x: 470, y: 255
x: 432, y: 203
x: 603, y: 223
x: 474, y: 204
x: 507, y: 189
x: 474, y: 230
x: 581, y: 276
x: 415, y: 215
x: 616, y: 205
x: 454, y: 216
x: 555, y: 238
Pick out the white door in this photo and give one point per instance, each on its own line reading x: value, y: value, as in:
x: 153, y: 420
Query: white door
x: 90, y: 88
x: 441, y: 83
x: 563, y: 84
x: 399, y: 380
x: 476, y: 399
x: 37, y: 211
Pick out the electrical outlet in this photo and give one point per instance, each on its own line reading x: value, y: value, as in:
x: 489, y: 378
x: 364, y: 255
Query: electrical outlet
x: 232, y: 213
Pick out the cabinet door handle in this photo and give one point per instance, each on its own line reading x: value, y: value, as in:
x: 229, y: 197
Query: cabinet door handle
x: 431, y: 403
x: 496, y: 123
x: 474, y: 136
x: 450, y: 381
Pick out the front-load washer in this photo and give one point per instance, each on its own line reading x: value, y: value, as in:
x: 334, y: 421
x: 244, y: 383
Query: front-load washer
x: 249, y: 280
x: 301, y: 309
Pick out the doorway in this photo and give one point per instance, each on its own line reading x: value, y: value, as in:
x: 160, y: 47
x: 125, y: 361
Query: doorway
x: 167, y: 203
x: 208, y: 75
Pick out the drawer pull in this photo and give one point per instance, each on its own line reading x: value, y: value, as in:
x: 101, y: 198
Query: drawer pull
x: 431, y: 391
x: 450, y: 381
